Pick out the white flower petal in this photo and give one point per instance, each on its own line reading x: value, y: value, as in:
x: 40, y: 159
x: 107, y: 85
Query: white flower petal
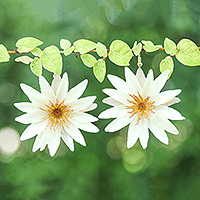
x: 118, y: 83
x: 148, y: 83
x: 76, y: 91
x: 43, y: 144
x: 143, y: 133
x: 54, y: 143
x: 56, y: 82
x: 33, y: 95
x: 132, y: 81
x: 159, y: 83
x: 164, y: 123
x: 159, y: 133
x: 37, y: 142
x: 91, y: 107
x: 75, y: 134
x: 112, y: 102
x: 116, y: 95
x: 84, y: 117
x: 165, y: 96
x: 46, y: 89
x: 113, y: 112
x: 68, y: 141
x: 30, y: 117
x: 132, y: 134
x: 140, y: 76
x: 47, y: 137
x: 169, y: 113
x: 82, y: 103
x: 62, y: 88
x: 173, y: 101
x: 25, y: 107
x: 118, y: 123
x: 33, y: 130
x: 89, y: 127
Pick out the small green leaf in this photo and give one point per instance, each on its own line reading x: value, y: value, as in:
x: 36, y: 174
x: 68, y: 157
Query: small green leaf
x: 65, y: 43
x: 99, y: 70
x: 170, y: 47
x: 51, y: 59
x: 150, y: 47
x: 83, y: 46
x: 188, y: 53
x: 147, y: 43
x: 167, y: 63
x: 68, y: 51
x: 27, y: 44
x: 36, y: 66
x: 120, y: 53
x: 36, y: 51
x: 135, y: 44
x: 88, y: 60
x: 101, y: 50
x: 137, y: 49
x: 24, y: 59
x: 4, y: 56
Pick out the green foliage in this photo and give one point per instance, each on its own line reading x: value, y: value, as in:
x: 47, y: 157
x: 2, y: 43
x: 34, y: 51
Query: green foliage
x: 36, y: 51
x: 188, y: 53
x: 24, y: 59
x: 120, y: 53
x: 68, y: 51
x: 137, y: 48
x: 4, y: 56
x: 99, y: 70
x: 88, y: 60
x: 51, y: 59
x: 150, y: 47
x: 84, y: 46
x: 101, y: 50
x: 65, y: 43
x: 170, y: 47
x: 27, y: 44
x: 36, y: 66
x: 167, y: 63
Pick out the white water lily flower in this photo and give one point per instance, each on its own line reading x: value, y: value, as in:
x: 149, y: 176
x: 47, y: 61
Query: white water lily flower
x: 139, y: 103
x: 56, y: 113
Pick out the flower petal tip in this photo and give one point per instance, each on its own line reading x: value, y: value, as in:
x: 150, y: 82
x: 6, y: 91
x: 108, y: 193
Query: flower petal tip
x: 84, y: 144
x: 100, y: 116
x: 22, y: 85
x: 144, y: 147
x: 167, y: 71
x: 15, y: 104
x: 65, y: 74
x: 22, y: 138
x: 167, y: 142
x: 97, y: 130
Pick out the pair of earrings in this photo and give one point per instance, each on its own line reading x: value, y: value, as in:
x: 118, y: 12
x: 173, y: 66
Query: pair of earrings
x: 57, y: 112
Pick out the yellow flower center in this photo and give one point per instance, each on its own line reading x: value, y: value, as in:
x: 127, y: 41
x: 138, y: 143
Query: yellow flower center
x: 57, y: 113
x: 141, y: 106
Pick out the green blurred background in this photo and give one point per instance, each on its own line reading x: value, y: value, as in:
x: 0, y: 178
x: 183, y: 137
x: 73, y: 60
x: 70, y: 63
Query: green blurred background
x: 105, y: 169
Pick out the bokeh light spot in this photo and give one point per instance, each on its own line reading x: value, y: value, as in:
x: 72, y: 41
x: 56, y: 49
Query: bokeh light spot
x: 9, y: 141
x: 133, y: 160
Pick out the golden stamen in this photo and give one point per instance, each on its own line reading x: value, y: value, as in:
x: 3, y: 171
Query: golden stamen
x: 141, y: 106
x: 57, y: 114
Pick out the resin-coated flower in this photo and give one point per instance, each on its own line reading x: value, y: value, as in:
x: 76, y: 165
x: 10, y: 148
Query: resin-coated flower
x: 56, y: 113
x: 139, y: 103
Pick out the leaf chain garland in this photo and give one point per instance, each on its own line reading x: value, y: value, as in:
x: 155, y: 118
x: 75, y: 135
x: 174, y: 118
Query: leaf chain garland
x: 186, y: 52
